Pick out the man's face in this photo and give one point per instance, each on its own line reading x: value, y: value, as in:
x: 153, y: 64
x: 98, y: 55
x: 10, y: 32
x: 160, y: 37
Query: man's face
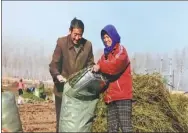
x: 76, y: 35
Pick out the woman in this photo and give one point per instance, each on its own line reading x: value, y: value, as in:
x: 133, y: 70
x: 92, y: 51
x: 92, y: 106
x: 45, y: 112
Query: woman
x: 20, y: 87
x: 115, y: 64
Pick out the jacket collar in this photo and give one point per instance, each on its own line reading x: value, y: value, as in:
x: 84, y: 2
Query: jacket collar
x: 115, y: 47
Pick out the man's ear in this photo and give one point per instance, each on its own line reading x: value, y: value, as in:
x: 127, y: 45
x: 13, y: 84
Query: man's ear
x: 70, y: 31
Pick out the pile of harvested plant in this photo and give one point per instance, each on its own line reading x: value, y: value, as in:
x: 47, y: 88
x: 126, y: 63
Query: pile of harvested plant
x: 154, y: 108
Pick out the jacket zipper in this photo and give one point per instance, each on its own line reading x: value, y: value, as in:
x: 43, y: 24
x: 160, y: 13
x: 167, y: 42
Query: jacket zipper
x: 109, y: 98
x: 118, y: 85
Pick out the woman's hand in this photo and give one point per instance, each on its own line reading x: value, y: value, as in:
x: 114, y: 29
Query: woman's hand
x: 95, y: 68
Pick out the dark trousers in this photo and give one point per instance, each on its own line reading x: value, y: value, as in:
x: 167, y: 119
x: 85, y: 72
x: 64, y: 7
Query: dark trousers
x: 58, y: 109
x: 20, y: 92
x: 119, y: 116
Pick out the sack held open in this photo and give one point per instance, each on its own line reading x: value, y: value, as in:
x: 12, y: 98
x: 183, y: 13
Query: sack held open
x: 79, y: 99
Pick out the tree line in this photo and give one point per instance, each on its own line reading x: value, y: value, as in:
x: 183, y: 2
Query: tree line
x: 27, y: 64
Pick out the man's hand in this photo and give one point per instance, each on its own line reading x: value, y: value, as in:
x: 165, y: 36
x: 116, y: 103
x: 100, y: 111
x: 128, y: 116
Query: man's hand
x: 96, y: 68
x: 61, y: 78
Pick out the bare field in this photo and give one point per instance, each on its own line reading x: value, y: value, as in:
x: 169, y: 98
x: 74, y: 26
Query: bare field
x: 39, y: 117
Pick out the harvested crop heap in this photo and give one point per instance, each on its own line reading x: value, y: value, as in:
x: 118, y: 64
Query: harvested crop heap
x: 31, y: 98
x: 154, y: 109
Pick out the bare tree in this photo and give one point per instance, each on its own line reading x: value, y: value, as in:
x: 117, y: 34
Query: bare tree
x: 181, y: 67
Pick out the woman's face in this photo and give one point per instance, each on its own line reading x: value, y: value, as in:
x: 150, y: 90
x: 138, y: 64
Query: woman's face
x: 107, y: 40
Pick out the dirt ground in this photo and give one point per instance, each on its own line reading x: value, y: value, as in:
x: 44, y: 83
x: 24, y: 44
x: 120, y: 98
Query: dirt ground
x: 36, y: 117
x: 39, y: 117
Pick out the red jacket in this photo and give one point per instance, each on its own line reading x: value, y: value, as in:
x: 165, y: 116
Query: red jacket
x: 117, y: 61
x: 20, y: 85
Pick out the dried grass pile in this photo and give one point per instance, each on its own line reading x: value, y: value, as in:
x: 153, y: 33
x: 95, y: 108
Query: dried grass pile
x: 154, y: 109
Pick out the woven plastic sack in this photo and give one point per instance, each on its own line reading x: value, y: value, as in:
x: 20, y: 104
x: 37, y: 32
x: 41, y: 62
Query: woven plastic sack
x: 10, y: 116
x: 37, y: 92
x: 79, y: 99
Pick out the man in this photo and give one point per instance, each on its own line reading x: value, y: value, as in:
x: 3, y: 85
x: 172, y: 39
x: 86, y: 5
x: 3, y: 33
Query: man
x: 72, y: 53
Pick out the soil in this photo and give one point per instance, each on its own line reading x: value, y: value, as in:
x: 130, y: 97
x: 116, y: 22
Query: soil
x: 38, y: 117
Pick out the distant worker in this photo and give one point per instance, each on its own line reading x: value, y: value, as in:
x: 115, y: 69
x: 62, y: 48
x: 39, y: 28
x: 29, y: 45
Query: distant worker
x: 41, y: 90
x: 20, y: 87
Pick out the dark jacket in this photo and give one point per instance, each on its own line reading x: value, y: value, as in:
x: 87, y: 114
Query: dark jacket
x: 66, y: 61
